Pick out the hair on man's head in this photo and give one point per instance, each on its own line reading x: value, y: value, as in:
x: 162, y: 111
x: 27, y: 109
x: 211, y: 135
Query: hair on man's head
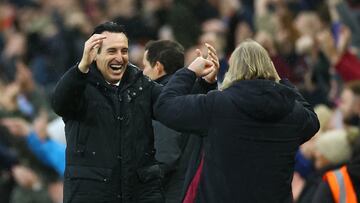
x: 169, y: 53
x: 249, y: 61
x: 109, y: 27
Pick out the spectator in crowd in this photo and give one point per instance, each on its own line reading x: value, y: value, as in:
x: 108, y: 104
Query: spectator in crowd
x: 256, y: 122
x: 345, y: 63
x: 342, y: 184
x: 331, y: 149
x: 48, y: 151
x: 30, y: 189
x: 109, y: 104
x: 22, y: 96
x: 31, y: 176
x: 341, y: 14
x: 22, y: 99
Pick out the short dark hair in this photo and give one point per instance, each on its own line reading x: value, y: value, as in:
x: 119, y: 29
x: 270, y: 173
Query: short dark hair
x: 109, y: 27
x: 169, y: 53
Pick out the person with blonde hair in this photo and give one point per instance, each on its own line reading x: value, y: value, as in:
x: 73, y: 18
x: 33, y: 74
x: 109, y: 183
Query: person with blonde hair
x: 254, y: 126
x: 250, y: 61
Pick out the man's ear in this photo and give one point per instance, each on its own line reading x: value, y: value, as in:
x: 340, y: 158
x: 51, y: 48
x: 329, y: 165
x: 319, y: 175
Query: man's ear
x: 159, y: 68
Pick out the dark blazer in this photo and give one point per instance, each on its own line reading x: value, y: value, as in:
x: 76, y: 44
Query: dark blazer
x: 254, y: 129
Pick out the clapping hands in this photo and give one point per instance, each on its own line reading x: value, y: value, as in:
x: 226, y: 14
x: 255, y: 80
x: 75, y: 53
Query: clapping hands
x: 208, y: 67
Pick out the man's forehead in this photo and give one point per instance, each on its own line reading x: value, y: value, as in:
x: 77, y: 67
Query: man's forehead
x: 112, y: 37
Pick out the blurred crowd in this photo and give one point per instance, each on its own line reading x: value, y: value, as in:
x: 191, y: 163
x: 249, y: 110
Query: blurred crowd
x: 316, y: 44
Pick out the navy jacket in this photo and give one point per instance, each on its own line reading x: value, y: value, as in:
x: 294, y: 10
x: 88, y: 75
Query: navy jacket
x: 254, y: 128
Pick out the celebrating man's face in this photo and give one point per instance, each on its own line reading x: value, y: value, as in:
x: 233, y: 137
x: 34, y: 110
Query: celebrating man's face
x: 113, y: 57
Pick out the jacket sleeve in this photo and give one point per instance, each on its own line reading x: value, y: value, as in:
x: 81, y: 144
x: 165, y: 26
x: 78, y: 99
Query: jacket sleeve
x: 180, y: 111
x: 66, y: 99
x: 202, y: 87
x: 311, y: 122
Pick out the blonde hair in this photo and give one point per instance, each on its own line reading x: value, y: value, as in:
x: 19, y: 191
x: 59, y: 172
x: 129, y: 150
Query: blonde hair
x: 249, y: 61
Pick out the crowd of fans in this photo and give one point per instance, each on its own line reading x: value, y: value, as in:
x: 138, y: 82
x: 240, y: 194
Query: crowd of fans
x: 316, y: 44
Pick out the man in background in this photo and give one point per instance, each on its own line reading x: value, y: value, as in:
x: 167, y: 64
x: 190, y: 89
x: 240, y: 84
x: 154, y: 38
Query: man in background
x: 161, y: 59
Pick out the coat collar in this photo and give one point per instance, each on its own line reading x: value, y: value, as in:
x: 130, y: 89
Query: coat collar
x: 163, y: 79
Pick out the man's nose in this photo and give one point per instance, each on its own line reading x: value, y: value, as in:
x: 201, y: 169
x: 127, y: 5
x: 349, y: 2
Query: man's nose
x: 119, y: 57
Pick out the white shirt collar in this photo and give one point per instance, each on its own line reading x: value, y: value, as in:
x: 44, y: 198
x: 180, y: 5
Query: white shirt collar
x: 117, y: 84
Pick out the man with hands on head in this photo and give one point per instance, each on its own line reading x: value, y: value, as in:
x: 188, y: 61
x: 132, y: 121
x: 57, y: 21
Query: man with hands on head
x: 107, y: 106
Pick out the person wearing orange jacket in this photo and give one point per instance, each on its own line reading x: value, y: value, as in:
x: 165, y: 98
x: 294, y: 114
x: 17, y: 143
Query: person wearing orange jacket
x: 342, y: 185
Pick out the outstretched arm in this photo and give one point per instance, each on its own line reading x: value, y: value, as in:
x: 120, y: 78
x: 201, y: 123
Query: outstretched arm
x: 180, y: 111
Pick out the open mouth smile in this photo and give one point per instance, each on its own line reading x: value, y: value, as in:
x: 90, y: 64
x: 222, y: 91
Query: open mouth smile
x: 116, y: 67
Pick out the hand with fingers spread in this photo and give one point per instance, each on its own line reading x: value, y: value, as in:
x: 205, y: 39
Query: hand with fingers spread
x: 211, y: 56
x: 90, y: 50
x: 200, y: 65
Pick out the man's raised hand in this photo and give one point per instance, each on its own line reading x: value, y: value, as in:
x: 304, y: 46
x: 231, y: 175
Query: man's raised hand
x: 200, y: 65
x: 212, y: 56
x: 90, y: 50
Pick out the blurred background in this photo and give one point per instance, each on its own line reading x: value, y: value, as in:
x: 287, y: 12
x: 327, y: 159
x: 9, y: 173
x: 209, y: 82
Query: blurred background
x: 315, y: 44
